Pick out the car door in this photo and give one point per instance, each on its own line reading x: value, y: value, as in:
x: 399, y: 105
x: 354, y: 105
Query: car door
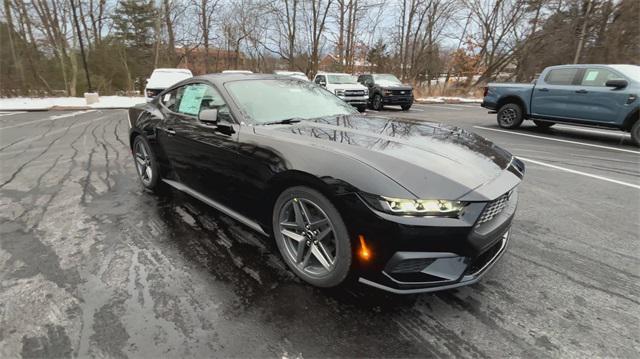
x: 554, y: 94
x: 201, y: 154
x: 596, y: 102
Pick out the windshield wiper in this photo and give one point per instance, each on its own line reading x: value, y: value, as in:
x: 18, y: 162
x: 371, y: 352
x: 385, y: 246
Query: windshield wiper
x: 286, y: 121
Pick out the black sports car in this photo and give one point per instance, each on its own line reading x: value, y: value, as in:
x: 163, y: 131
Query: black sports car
x: 399, y: 205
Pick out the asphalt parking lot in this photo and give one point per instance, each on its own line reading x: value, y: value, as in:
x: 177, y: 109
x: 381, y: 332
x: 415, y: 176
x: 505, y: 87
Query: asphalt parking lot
x: 92, y: 265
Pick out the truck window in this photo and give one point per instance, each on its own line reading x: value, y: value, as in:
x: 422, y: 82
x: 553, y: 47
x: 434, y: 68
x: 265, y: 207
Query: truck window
x: 598, y: 77
x: 561, y: 76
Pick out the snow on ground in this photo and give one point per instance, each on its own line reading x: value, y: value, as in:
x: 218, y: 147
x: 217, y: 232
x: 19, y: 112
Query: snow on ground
x: 440, y: 99
x: 45, y: 103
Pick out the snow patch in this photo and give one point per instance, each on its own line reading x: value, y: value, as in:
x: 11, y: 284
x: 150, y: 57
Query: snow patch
x: 46, y: 103
x: 441, y: 99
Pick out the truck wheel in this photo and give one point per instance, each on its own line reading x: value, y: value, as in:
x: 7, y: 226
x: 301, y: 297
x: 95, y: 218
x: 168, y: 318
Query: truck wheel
x: 543, y: 124
x: 361, y: 108
x: 510, y: 116
x: 377, y: 103
x: 635, y: 133
x: 406, y: 107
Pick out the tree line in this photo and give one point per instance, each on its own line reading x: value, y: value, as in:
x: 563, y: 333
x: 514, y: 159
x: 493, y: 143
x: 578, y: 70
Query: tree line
x: 424, y: 42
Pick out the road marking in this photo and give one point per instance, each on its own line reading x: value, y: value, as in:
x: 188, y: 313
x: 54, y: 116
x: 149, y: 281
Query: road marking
x: 580, y: 173
x: 605, y: 132
x: 477, y: 106
x: 52, y: 118
x: 558, y: 140
x: 9, y: 113
x: 439, y: 106
x: 416, y: 109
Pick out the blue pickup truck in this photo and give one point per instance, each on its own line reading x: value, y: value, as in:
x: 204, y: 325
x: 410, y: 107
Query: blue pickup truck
x: 584, y: 95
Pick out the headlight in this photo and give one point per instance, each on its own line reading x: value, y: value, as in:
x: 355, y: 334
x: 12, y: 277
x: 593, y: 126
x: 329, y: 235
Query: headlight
x: 415, y: 207
x: 366, y: 91
x: 339, y: 92
x: 388, y: 93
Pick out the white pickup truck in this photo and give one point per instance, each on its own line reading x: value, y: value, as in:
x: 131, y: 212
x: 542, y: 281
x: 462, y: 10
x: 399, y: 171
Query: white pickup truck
x: 346, y: 87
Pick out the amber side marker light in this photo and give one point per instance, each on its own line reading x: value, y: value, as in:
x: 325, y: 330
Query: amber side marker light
x: 364, y: 252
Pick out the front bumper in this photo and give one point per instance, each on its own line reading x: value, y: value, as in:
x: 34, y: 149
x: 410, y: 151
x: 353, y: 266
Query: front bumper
x: 397, y: 100
x: 426, y: 254
x: 355, y: 100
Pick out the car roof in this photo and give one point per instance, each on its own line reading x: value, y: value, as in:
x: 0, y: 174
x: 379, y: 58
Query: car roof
x: 221, y: 78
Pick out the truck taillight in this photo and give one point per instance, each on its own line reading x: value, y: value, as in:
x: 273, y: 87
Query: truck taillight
x: 486, y: 91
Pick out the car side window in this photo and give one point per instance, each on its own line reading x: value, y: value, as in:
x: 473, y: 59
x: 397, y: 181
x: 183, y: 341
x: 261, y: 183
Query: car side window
x: 561, y: 76
x: 169, y: 100
x: 193, y: 98
x: 598, y: 77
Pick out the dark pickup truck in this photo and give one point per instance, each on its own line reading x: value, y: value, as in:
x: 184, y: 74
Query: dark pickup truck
x: 386, y: 89
x: 584, y: 95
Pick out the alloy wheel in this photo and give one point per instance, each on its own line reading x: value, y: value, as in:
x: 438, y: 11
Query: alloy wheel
x: 143, y: 163
x: 508, y: 116
x: 309, y: 237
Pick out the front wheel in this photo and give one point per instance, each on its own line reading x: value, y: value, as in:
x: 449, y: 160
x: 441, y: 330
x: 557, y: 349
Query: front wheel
x: 361, y: 108
x: 146, y: 163
x: 635, y: 133
x: 311, y: 237
x: 377, y: 103
x: 510, y: 116
x: 405, y: 107
x: 543, y: 124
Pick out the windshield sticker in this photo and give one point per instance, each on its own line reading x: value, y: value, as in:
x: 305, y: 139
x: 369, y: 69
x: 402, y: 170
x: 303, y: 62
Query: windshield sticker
x: 191, y: 99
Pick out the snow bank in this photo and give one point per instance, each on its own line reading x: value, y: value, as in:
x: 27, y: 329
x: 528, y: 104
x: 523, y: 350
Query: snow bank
x: 440, y: 99
x: 46, y: 103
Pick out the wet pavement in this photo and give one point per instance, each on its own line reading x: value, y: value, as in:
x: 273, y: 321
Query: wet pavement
x: 91, y: 265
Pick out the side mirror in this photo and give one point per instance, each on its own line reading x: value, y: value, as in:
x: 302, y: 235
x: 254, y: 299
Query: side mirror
x: 323, y: 83
x: 209, y: 116
x: 619, y: 84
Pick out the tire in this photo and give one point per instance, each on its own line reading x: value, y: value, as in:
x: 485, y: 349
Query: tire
x: 510, y: 116
x: 635, y: 133
x: 361, y: 108
x: 377, y: 102
x: 405, y: 107
x: 146, y: 163
x: 296, y: 218
x: 543, y: 124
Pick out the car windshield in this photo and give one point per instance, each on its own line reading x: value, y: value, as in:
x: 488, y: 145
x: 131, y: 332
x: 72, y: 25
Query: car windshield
x: 342, y: 79
x: 266, y: 101
x: 631, y: 71
x: 386, y: 79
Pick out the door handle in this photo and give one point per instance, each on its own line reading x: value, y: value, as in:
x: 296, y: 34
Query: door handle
x: 169, y: 131
x: 544, y: 89
x: 582, y: 91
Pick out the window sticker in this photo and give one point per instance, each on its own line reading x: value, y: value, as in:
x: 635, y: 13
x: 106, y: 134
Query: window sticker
x: 191, y: 99
x: 591, y: 76
x: 167, y: 97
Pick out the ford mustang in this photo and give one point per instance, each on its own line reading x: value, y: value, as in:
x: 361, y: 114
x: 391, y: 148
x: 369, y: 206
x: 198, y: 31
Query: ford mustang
x: 403, y: 206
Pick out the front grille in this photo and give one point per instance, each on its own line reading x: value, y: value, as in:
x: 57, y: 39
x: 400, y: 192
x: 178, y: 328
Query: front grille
x: 494, y: 208
x: 412, y: 265
x: 354, y: 93
x: 401, y: 92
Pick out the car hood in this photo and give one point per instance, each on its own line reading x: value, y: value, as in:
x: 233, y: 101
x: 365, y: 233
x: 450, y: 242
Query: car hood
x: 430, y: 160
x: 346, y: 86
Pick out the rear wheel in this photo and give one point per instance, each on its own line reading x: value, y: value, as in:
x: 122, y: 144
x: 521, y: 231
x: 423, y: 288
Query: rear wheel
x: 146, y: 163
x: 635, y: 133
x: 510, y: 116
x: 311, y: 237
x: 543, y: 124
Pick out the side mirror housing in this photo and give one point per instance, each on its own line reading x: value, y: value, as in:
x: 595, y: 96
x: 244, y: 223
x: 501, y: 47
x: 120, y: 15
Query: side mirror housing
x: 619, y: 84
x: 209, y: 116
x: 323, y: 83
